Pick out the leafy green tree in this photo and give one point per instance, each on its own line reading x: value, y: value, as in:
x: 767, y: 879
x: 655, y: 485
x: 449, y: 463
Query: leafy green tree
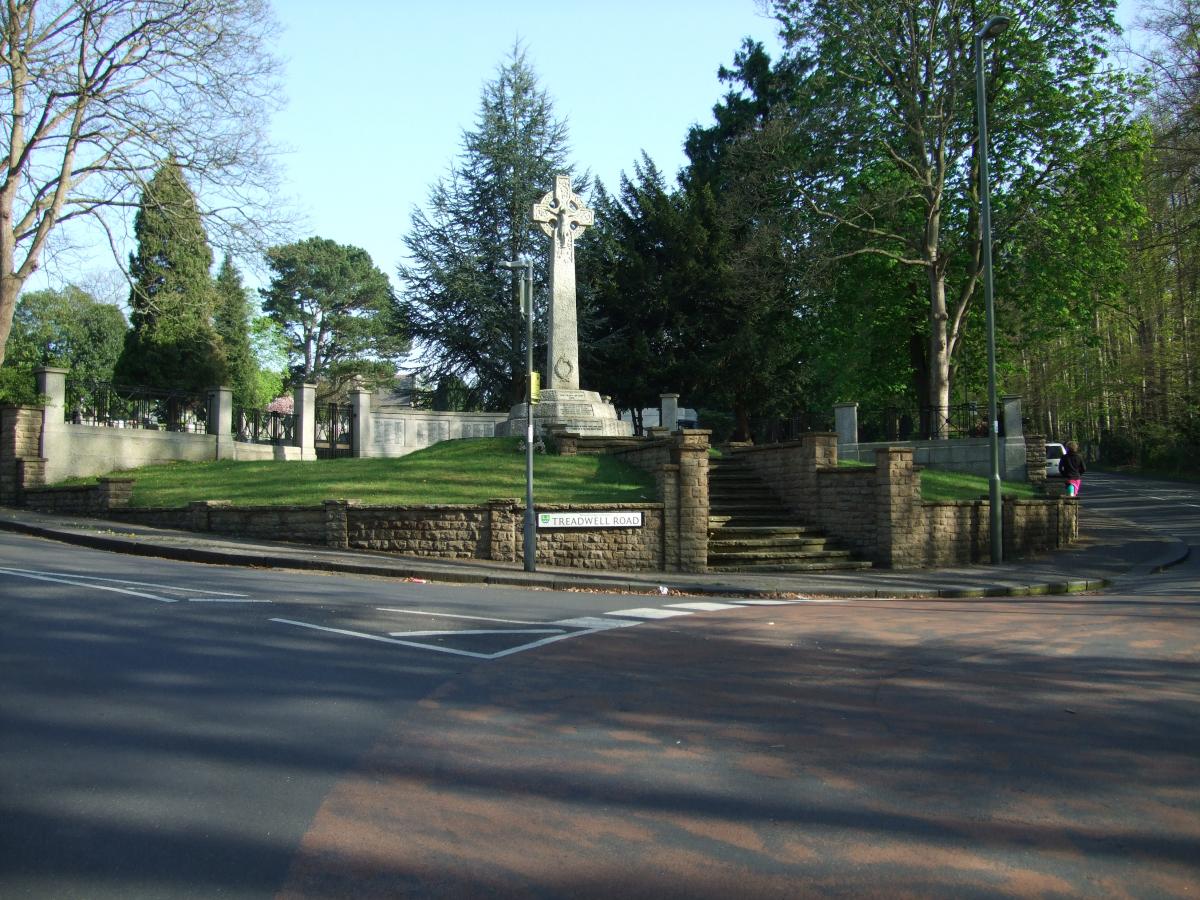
x: 457, y: 303
x: 337, y: 311
x: 69, y: 329
x: 887, y: 87
x: 172, y: 343
x: 95, y: 93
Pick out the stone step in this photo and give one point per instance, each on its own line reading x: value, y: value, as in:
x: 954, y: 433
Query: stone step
x: 775, y: 554
x: 744, y: 499
x: 783, y: 531
x: 745, y: 519
x: 810, y: 544
x: 850, y: 565
x: 749, y: 504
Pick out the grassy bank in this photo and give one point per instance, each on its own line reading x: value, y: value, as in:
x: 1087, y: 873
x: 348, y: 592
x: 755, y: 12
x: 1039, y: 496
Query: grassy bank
x: 938, y: 485
x: 463, y: 471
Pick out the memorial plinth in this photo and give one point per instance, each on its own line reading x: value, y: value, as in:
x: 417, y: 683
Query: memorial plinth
x: 581, y: 412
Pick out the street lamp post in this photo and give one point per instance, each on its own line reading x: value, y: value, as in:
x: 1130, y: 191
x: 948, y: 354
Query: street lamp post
x: 992, y: 28
x: 525, y: 267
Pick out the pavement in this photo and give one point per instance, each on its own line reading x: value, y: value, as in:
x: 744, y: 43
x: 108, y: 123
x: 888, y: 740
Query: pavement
x: 1110, y: 551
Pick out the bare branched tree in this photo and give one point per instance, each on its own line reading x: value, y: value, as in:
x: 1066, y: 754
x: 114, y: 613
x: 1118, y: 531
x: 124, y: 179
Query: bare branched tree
x: 95, y: 94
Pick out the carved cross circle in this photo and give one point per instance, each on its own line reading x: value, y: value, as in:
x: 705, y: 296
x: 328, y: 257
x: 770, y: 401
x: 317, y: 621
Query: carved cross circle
x: 561, y: 213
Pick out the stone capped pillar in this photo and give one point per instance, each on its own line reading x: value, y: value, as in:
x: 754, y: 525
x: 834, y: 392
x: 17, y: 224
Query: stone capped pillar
x: 668, y: 411
x: 845, y: 417
x: 363, y: 422
x: 690, y: 453
x: 54, y: 442
x: 220, y: 420
x: 304, y: 408
x: 897, y: 495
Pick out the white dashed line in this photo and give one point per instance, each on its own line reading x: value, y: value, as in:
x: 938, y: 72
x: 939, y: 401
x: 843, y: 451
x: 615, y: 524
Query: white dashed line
x: 476, y: 631
x: 225, y: 600
x: 441, y: 615
x: 595, y: 623
x: 647, y: 613
x: 702, y: 606
x: 38, y: 576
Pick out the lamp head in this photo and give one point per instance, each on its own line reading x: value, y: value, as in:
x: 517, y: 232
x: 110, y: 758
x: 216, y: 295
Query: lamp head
x: 993, y: 27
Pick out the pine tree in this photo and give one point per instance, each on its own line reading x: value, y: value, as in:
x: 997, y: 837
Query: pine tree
x: 337, y: 313
x: 457, y: 301
x: 232, y: 324
x: 172, y: 343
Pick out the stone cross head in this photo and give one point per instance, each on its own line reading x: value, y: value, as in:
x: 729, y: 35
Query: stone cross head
x: 562, y: 216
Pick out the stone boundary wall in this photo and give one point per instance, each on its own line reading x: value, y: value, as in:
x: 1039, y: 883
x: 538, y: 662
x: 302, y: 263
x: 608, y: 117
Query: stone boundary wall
x: 491, y: 531
x: 878, y: 511
x: 107, y: 495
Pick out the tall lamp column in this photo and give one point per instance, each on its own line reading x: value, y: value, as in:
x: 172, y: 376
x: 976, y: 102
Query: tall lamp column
x: 525, y: 267
x: 991, y: 29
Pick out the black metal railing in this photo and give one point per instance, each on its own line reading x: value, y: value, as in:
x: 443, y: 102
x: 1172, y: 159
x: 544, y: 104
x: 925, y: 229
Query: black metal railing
x: 109, y: 405
x: 259, y: 426
x: 901, y: 422
x: 790, y: 428
x: 334, y: 431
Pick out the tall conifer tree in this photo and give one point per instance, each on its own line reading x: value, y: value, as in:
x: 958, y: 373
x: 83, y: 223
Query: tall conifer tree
x: 457, y: 302
x: 172, y: 343
x: 232, y: 324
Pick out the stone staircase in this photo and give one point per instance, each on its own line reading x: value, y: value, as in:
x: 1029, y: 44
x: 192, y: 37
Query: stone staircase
x: 750, y: 530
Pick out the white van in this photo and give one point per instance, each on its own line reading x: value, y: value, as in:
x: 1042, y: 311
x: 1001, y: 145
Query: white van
x: 1054, y: 452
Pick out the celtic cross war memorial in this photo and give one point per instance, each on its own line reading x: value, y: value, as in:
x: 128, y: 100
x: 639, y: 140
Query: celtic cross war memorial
x: 563, y: 217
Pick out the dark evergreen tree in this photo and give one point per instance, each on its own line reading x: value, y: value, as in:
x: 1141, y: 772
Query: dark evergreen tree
x: 232, y: 324
x: 172, y: 343
x: 457, y: 303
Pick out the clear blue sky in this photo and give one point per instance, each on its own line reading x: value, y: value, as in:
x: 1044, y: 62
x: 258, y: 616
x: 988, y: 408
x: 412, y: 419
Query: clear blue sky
x: 379, y: 93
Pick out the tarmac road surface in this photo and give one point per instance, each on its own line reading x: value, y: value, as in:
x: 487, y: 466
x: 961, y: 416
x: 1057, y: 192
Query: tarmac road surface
x: 354, y: 737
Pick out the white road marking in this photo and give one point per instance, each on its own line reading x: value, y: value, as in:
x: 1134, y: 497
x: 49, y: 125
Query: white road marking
x: 647, y: 613
x: 375, y: 637
x: 702, y: 606
x: 437, y: 615
x: 149, y: 584
x: 594, y: 623
x: 226, y: 600
x: 452, y: 650
x: 476, y: 631
x: 87, y: 584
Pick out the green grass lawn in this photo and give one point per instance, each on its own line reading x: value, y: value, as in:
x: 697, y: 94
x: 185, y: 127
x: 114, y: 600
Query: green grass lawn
x: 462, y: 471
x: 938, y: 485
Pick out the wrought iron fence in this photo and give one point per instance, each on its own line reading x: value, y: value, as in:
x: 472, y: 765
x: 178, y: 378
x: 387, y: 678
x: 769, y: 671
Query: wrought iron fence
x: 109, y: 405
x: 901, y: 422
x: 790, y: 428
x: 259, y: 426
x: 334, y: 431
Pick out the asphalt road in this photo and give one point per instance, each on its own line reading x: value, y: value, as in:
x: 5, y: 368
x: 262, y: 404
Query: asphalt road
x: 175, y: 730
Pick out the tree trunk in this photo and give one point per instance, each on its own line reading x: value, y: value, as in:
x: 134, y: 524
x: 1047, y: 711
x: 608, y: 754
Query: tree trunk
x: 939, y: 353
x: 10, y: 289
